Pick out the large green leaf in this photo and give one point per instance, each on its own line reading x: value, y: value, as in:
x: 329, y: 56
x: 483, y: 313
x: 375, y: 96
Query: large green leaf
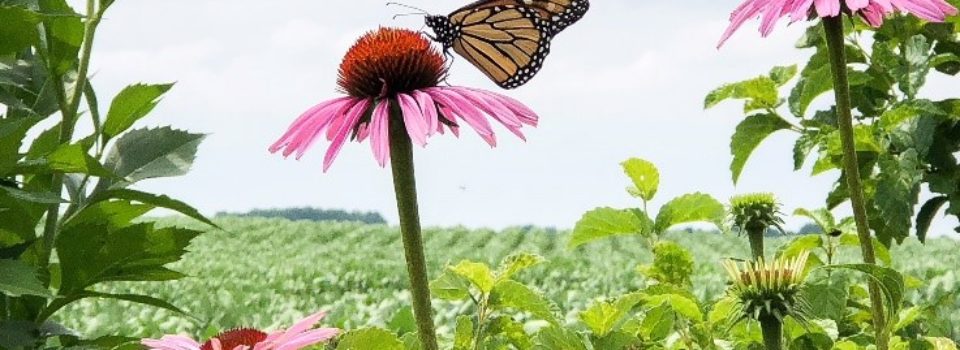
x: 450, y: 286
x: 131, y: 104
x: 890, y: 281
x: 18, y: 278
x: 897, y: 193
x: 100, y: 245
x: 912, y: 72
x: 19, y: 29
x: 512, y: 294
x: 368, y: 339
x: 750, y: 133
x: 645, y: 177
x: 558, y: 338
x: 463, y: 334
x: 158, y: 201
x: 760, y: 92
x: 606, y: 222
x: 135, y: 298
x: 151, y: 153
x: 682, y: 305
x: 826, y: 300
x: 12, y: 132
x: 689, y: 208
x: 603, y: 317
x: 479, y: 274
x: 67, y: 159
x: 658, y: 323
x: 33, y: 197
x: 64, y: 34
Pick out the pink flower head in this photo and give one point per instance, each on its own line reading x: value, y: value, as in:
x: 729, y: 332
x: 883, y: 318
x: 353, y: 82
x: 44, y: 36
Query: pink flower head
x: 872, y: 11
x: 392, y: 76
x: 300, y: 335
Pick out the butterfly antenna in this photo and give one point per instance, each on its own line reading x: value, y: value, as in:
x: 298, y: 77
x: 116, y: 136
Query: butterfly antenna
x: 407, y: 14
x: 420, y: 11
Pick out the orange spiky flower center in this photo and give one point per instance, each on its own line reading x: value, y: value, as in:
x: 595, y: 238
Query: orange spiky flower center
x: 233, y: 338
x: 390, y: 61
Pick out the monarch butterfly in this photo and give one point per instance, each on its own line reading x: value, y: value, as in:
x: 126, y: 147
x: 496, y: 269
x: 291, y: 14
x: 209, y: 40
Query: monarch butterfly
x: 506, y: 39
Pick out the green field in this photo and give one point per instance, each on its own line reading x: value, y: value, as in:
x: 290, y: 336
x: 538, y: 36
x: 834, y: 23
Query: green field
x: 269, y: 272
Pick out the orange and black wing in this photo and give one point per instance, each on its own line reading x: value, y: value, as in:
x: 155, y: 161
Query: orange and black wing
x: 560, y: 14
x: 506, y: 42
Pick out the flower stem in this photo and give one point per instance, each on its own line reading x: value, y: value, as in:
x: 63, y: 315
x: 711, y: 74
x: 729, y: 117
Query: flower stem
x: 833, y: 27
x: 755, y: 235
x: 405, y: 186
x: 772, y: 330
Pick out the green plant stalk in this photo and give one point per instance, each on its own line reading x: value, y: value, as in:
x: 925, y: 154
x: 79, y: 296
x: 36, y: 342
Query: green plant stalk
x: 755, y: 235
x: 69, y: 114
x: 405, y: 186
x: 772, y: 330
x: 833, y: 27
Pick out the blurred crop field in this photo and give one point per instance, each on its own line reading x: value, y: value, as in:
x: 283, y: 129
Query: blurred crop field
x: 269, y: 272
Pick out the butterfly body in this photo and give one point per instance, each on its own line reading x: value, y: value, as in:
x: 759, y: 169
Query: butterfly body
x: 506, y: 39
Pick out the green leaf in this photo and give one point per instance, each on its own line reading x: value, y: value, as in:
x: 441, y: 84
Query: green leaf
x: 926, y: 215
x: 463, y: 335
x: 368, y: 339
x: 558, y: 338
x: 67, y: 159
x: 403, y: 321
x: 479, y: 274
x: 131, y: 104
x: 135, y: 298
x: 602, y: 317
x: 906, y: 317
x: 658, y: 323
x: 606, y: 222
x: 512, y: 294
x: 17, y: 279
x: 750, y: 133
x: 511, y: 330
x: 694, y: 207
x: 898, y: 191
x: 12, y: 132
x: 800, y: 244
x: 826, y: 300
x: 890, y: 282
x: 802, y: 148
x: 853, y: 241
x: 760, y: 92
x: 32, y: 197
x: 158, y: 201
x: 515, y: 263
x: 682, y: 305
x: 814, y: 82
x: 781, y: 75
x: 645, y: 177
x: 822, y: 217
x: 64, y: 34
x: 912, y: 72
x: 16, y: 334
x: 93, y: 248
x: 450, y: 286
x: 19, y: 29
x: 152, y: 153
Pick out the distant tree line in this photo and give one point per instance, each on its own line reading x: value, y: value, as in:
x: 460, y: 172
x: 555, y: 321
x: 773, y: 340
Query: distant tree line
x: 312, y: 214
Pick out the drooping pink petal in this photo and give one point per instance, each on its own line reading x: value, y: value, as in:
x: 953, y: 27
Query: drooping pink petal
x: 429, y: 110
x: 744, y: 12
x: 307, y: 338
x: 827, y: 8
x: 466, y: 111
x: 856, y: 5
x: 343, y: 132
x: 312, y: 131
x: 380, y: 133
x: 490, y: 106
x: 413, y: 119
x: 296, y: 126
x: 171, y: 342
x: 775, y: 9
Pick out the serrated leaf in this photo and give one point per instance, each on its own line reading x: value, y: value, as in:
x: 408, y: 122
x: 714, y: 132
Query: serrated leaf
x: 607, y: 222
x: 645, y: 177
x: 602, y: 317
x: 782, y: 74
x: 131, y: 104
x: 749, y: 134
x: 157, y: 201
x: 450, y: 286
x: 802, y: 148
x: 18, y: 279
x: 152, y: 153
x: 368, y: 339
x: 926, y: 215
x: 19, y: 29
x: 760, y: 92
x: 516, y: 295
x: 515, y: 263
x: 827, y: 301
x: 12, y: 132
x: 890, y: 281
x: 694, y: 207
x: 479, y: 274
x: 898, y: 190
x: 657, y: 323
x: 66, y: 159
x: 32, y: 197
x: 463, y: 335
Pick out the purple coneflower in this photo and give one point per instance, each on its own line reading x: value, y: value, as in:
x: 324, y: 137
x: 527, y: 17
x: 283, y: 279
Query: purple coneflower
x: 299, y: 336
x: 872, y: 11
x: 397, y: 69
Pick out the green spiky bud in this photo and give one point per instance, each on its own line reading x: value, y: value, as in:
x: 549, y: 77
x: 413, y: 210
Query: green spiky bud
x: 755, y: 211
x: 770, y: 289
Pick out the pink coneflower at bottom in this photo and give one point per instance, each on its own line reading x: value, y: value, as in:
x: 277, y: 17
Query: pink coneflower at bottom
x: 300, y: 335
x: 391, y: 73
x: 872, y: 11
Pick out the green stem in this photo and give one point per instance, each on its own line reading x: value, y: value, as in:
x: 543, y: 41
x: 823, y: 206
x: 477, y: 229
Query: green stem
x: 833, y: 27
x: 755, y: 234
x: 772, y: 330
x: 69, y: 113
x: 405, y: 185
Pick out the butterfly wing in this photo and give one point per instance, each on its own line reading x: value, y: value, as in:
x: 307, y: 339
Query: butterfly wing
x: 506, y: 42
x: 560, y: 14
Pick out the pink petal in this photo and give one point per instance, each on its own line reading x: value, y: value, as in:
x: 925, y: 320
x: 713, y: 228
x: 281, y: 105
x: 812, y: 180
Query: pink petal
x: 301, y: 120
x: 380, y: 133
x: 490, y: 106
x: 171, y: 342
x: 468, y: 112
x: 827, y: 8
x: 318, y: 127
x: 429, y: 110
x: 744, y: 12
x: 343, y: 131
x: 308, y: 338
x: 413, y: 119
x: 774, y: 12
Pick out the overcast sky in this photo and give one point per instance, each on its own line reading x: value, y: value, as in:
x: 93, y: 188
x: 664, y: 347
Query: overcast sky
x: 626, y: 81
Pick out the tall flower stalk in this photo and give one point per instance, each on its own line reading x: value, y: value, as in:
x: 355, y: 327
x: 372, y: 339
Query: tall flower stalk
x: 392, y: 78
x: 831, y: 14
